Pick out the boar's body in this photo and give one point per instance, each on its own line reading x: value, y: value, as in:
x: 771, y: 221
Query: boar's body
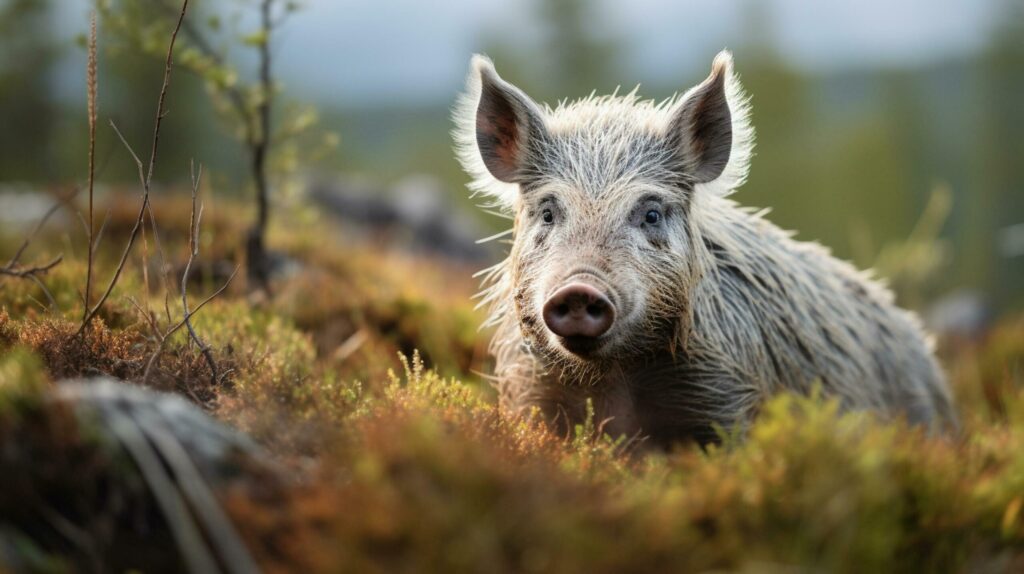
x: 622, y: 204
x: 768, y: 314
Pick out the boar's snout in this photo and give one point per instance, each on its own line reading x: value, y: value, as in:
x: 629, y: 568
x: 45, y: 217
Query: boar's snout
x: 579, y: 314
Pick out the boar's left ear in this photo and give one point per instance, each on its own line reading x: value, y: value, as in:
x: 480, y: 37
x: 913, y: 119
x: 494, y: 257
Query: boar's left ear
x: 497, y: 126
x: 711, y: 131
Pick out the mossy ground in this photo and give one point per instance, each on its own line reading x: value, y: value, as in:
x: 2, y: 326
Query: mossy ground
x: 407, y: 464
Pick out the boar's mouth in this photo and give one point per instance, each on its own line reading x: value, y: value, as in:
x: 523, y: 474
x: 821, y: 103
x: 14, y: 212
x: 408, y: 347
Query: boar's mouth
x: 581, y: 346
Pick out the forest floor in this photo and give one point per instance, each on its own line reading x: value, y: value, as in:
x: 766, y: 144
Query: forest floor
x: 360, y: 379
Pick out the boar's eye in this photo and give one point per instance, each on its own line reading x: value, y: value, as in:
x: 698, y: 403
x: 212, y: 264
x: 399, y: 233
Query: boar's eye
x: 648, y: 214
x: 548, y: 216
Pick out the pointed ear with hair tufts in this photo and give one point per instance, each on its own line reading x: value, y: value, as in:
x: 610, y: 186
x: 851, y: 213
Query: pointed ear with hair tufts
x: 506, y: 121
x: 710, y: 129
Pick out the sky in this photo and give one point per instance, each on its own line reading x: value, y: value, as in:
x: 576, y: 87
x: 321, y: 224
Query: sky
x: 357, y: 53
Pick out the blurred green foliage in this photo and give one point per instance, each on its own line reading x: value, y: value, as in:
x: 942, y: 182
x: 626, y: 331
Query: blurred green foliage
x: 398, y: 463
x: 406, y: 465
x: 849, y: 158
x: 416, y: 471
x: 26, y: 111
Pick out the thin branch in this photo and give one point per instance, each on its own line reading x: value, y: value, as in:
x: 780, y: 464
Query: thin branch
x: 131, y: 150
x: 195, y: 219
x: 99, y: 234
x: 257, y: 127
x: 91, y: 83
x: 12, y: 269
x: 33, y: 273
x: 203, y: 303
x: 91, y: 312
x: 148, y: 316
x: 29, y: 271
x: 145, y: 180
x: 193, y: 241
x: 177, y: 327
x: 256, y: 250
x: 35, y: 230
x: 235, y: 94
x: 164, y: 268
x: 152, y: 359
x: 46, y: 291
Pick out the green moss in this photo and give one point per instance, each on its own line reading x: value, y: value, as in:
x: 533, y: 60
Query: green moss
x: 433, y: 478
x: 360, y: 371
x: 66, y: 282
x: 22, y: 382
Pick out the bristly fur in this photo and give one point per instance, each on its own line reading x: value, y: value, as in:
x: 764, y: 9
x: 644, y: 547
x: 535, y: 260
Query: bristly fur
x: 723, y: 311
x: 599, y: 115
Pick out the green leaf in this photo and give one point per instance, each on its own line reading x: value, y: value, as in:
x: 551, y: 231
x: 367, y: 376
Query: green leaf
x: 255, y: 39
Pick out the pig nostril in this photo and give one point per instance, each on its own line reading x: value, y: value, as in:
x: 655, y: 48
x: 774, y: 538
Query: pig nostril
x: 579, y: 311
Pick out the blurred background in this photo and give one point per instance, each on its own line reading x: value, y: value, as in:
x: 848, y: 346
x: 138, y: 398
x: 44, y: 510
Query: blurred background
x: 890, y: 132
x: 342, y: 335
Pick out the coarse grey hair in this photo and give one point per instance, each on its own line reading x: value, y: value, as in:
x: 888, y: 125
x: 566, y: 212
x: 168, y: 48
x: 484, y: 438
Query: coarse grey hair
x: 718, y: 307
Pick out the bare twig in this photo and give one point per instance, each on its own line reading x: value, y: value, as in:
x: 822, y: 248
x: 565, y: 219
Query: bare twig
x: 99, y: 234
x: 195, y: 219
x: 264, y: 109
x: 91, y: 83
x: 145, y: 180
x: 236, y: 95
x: 12, y: 269
x: 148, y: 316
x: 177, y: 326
x: 162, y: 341
x: 256, y: 250
x: 35, y: 230
x: 46, y: 291
x: 257, y: 124
x: 203, y: 303
x: 25, y: 272
x: 33, y: 273
x: 193, y: 244
x: 164, y: 268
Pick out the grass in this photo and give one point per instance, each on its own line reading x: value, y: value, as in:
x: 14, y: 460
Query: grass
x: 360, y: 376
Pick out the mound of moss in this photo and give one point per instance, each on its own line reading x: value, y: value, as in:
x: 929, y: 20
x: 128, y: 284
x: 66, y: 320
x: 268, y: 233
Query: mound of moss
x: 362, y: 469
x: 424, y: 474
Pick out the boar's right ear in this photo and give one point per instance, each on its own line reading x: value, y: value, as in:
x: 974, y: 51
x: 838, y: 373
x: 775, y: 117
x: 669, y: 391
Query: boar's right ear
x: 711, y: 130
x: 497, y: 123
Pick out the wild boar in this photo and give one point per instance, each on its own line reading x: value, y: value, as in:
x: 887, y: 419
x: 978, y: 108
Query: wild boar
x: 633, y: 281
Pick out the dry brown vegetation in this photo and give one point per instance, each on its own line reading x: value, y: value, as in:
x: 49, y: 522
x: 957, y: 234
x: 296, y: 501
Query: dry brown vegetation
x: 419, y: 470
x: 383, y: 449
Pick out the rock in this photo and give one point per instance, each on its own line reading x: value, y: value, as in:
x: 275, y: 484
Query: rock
x: 111, y: 476
x: 961, y: 316
x: 418, y: 213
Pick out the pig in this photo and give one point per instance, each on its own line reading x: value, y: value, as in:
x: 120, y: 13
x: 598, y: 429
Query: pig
x: 635, y: 284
